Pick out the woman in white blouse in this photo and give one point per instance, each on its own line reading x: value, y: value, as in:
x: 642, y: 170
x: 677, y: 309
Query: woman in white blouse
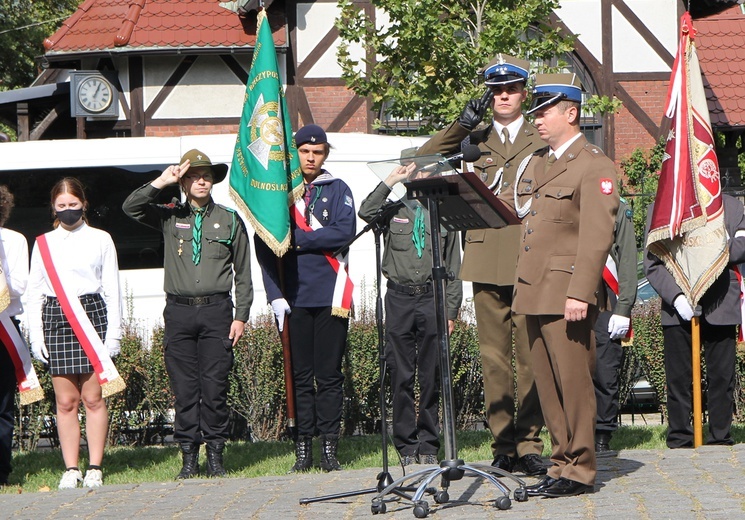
x: 84, y: 261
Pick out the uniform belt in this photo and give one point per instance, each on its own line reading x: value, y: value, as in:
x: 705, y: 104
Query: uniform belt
x: 197, y: 300
x: 411, y: 290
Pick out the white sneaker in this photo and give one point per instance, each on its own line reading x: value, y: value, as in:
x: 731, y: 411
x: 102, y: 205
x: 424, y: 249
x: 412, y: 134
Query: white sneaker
x: 70, y: 479
x: 93, y: 478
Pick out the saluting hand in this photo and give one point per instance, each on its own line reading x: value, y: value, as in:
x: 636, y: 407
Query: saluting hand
x: 400, y: 173
x: 171, y: 175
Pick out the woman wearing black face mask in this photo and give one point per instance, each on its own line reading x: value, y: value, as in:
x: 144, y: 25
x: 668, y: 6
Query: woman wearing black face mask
x: 74, y: 316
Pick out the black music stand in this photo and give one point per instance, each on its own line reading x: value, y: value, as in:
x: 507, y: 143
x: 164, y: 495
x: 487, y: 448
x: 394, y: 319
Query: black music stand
x: 457, y: 202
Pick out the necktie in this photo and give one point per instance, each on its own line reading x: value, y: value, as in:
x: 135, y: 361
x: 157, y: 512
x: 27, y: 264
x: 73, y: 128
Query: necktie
x: 506, y: 139
x: 418, y: 232
x: 196, y: 236
x: 551, y: 160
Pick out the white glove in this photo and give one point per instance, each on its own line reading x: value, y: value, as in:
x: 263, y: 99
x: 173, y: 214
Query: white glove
x: 112, y: 345
x: 40, y: 352
x: 618, y: 326
x: 280, y: 308
x: 684, y: 308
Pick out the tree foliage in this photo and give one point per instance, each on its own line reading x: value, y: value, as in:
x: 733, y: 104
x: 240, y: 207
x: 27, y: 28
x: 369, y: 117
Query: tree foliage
x: 23, y: 26
x: 425, y: 61
x: 642, y: 171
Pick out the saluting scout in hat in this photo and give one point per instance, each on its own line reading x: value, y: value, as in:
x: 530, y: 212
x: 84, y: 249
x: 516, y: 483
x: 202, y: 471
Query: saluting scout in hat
x: 552, y: 88
x: 199, y: 159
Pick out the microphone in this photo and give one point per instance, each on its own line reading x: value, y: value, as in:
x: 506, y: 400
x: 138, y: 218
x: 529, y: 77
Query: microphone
x: 468, y: 153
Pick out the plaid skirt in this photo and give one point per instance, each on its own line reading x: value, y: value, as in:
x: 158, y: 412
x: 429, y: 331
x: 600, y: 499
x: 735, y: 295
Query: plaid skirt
x: 66, y: 356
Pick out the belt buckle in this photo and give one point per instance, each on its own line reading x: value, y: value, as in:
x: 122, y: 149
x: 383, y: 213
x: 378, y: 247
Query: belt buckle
x: 419, y: 289
x: 199, y: 300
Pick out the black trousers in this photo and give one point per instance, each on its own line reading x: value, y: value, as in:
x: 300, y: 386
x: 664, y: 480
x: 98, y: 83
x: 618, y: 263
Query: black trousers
x: 609, y: 356
x: 199, y: 356
x: 718, y: 342
x: 411, y: 350
x: 7, y: 395
x: 317, y: 342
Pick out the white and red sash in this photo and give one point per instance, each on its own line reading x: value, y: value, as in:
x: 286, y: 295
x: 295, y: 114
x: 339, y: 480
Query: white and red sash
x: 610, y: 277
x: 108, y: 376
x: 341, y: 303
x: 28, y: 384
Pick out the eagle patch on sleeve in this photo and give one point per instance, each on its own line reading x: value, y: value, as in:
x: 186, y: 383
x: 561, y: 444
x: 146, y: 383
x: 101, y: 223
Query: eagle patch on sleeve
x: 606, y: 186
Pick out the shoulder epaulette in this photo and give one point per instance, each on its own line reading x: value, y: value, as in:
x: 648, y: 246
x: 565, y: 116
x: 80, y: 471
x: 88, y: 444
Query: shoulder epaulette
x: 594, y: 150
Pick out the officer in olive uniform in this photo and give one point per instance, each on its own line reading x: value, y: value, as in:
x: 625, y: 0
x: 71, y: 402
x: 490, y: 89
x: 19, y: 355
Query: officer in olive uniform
x: 489, y: 262
x: 613, y: 325
x: 411, y: 317
x: 567, y: 198
x: 206, y: 248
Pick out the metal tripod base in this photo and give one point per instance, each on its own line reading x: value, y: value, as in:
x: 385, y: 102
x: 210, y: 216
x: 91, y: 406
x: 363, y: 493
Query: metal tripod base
x: 385, y: 482
x: 449, y: 470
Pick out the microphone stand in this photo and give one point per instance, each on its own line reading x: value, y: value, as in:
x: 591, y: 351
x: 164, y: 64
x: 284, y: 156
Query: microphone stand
x: 384, y: 479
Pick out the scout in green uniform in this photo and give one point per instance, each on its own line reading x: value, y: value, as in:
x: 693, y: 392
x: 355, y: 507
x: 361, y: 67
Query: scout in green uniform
x: 411, y: 317
x: 489, y: 262
x: 206, y: 249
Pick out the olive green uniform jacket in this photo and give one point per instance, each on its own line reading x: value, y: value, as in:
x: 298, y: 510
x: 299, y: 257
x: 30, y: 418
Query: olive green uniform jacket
x: 225, y: 248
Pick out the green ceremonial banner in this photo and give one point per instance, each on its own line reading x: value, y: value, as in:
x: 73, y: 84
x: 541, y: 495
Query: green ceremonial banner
x: 265, y: 176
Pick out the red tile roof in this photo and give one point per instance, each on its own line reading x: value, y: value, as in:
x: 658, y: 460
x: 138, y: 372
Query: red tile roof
x: 141, y: 25
x: 721, y: 50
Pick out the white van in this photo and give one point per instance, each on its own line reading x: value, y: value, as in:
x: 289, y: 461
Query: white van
x: 111, y: 168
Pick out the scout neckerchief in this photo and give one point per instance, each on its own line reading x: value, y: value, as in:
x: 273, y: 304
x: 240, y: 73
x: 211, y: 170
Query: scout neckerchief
x: 108, y: 376
x: 610, y: 277
x: 418, y: 233
x: 196, y: 235
x: 341, y: 302
x: 28, y: 384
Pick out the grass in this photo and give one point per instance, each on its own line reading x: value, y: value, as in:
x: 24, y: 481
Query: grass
x: 40, y: 470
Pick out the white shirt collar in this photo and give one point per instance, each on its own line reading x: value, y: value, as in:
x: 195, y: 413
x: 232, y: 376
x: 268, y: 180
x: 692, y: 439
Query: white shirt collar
x: 513, y: 128
x: 563, y: 148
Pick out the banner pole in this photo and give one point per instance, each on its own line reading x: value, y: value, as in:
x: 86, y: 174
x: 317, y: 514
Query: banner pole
x: 696, y: 366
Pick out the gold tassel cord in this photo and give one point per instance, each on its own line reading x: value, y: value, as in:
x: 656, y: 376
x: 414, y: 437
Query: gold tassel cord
x: 113, y: 387
x: 31, y: 396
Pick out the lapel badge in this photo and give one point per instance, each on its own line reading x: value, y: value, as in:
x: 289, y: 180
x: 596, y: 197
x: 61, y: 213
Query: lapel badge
x: 570, y: 156
x: 325, y: 214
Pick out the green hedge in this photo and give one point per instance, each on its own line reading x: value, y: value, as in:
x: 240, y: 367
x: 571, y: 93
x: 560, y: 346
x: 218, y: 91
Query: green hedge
x: 143, y: 413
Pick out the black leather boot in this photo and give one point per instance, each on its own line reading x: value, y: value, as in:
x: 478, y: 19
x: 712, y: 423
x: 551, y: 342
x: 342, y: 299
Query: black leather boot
x: 329, y: 445
x: 190, y: 460
x: 303, y: 454
x: 214, y: 459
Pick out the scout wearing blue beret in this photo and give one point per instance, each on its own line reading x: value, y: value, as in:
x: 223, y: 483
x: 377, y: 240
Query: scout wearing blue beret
x: 313, y: 134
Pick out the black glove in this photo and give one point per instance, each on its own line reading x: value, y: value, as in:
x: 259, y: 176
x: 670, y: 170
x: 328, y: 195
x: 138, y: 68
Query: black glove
x: 475, y: 110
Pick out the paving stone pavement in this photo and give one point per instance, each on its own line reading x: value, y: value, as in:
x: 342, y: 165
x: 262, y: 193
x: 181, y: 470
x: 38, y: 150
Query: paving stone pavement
x: 705, y: 483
